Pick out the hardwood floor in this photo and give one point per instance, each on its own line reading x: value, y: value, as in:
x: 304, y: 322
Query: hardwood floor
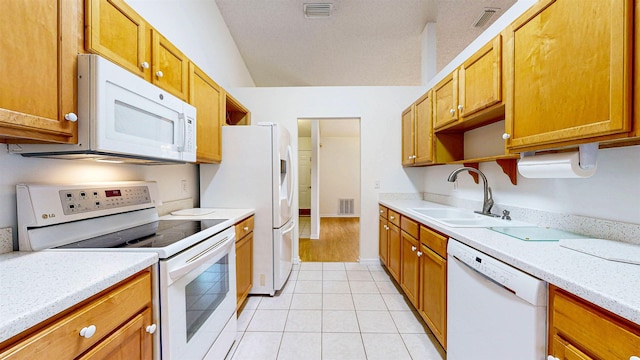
x: 339, y: 241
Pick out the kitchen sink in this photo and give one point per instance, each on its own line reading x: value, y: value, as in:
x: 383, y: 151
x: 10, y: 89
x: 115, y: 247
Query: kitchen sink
x: 454, y: 217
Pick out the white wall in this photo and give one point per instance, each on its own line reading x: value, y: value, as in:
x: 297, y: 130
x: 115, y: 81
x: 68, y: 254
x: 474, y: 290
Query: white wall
x: 197, y: 28
x: 379, y: 110
x: 340, y: 173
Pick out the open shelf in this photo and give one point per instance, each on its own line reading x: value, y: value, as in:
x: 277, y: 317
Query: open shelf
x: 236, y: 113
x: 508, y: 163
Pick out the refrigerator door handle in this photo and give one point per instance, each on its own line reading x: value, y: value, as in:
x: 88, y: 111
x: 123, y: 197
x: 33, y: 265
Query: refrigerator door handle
x: 290, y: 181
x: 293, y: 224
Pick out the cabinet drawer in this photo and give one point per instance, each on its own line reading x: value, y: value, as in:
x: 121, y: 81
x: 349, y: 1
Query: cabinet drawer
x: 106, y: 313
x: 590, y: 329
x: 383, y: 211
x: 244, y: 227
x: 410, y: 227
x: 394, y: 217
x: 434, y: 241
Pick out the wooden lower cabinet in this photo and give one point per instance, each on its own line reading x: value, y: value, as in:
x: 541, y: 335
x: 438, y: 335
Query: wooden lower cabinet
x: 120, y: 316
x: 579, y: 329
x: 433, y: 293
x: 244, y: 260
x: 394, y: 251
x: 383, y: 244
x: 410, y: 267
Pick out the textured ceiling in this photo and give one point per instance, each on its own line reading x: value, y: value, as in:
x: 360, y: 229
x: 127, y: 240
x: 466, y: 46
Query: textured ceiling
x: 364, y: 42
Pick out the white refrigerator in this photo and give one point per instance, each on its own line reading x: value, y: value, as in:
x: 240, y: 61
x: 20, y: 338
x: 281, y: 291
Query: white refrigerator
x: 256, y: 172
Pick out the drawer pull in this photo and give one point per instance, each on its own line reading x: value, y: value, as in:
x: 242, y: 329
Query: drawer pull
x: 151, y: 328
x: 88, y: 331
x: 246, y: 228
x: 381, y: 211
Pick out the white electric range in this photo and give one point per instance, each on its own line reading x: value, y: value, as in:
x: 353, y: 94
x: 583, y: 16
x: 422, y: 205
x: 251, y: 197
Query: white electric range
x: 194, y: 297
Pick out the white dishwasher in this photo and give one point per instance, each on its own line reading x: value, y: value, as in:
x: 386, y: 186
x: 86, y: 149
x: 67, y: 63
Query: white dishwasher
x: 494, y: 311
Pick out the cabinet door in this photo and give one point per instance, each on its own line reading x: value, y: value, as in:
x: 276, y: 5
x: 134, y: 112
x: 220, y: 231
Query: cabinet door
x: 394, y: 251
x: 445, y: 101
x: 410, y: 269
x: 480, y: 79
x: 115, y: 31
x: 129, y: 342
x: 433, y: 293
x: 423, y: 130
x: 206, y: 96
x: 570, y: 77
x: 407, y: 136
x: 39, y: 47
x: 563, y: 350
x: 169, y: 66
x: 384, y: 241
x: 244, y: 267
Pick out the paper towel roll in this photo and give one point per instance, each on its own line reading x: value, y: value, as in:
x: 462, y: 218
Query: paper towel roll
x: 561, y: 165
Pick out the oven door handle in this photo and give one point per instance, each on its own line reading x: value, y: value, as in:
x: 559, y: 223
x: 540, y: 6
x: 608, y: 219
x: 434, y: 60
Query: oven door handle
x: 202, y: 257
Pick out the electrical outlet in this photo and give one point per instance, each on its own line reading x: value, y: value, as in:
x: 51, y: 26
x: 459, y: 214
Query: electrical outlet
x: 376, y: 184
x: 184, y: 186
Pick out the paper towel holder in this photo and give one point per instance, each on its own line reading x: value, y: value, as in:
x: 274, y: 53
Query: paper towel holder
x: 588, y: 154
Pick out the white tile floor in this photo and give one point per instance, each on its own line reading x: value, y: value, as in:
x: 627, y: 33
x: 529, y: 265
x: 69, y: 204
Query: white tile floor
x: 334, y: 311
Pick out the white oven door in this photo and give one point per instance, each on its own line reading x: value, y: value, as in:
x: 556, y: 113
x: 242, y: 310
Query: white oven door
x: 197, y: 297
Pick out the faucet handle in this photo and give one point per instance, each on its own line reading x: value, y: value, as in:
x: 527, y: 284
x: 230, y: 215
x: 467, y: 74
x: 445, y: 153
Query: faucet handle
x: 505, y: 215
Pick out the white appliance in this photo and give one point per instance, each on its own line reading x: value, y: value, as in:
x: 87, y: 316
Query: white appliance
x: 123, y: 118
x: 194, y: 296
x: 494, y: 311
x: 257, y: 173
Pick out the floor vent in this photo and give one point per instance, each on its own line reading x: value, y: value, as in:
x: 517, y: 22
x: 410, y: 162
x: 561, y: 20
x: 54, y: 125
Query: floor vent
x: 346, y: 207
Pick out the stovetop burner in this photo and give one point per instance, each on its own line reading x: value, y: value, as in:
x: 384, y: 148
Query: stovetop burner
x: 157, y: 234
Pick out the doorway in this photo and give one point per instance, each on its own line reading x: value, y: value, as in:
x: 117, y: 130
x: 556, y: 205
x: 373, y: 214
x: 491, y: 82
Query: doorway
x: 329, y: 189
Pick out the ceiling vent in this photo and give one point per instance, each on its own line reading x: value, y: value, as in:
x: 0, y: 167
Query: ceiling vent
x: 317, y: 10
x: 484, y: 18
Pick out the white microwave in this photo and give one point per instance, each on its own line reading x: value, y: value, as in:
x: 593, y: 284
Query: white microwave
x: 123, y: 118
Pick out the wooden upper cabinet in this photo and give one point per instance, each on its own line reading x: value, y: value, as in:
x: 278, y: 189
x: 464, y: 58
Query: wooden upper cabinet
x: 480, y: 79
x: 169, y: 66
x: 423, y: 130
x: 570, y: 76
x: 39, y: 46
x: 207, y: 97
x: 445, y: 101
x: 116, y: 32
x: 408, y: 136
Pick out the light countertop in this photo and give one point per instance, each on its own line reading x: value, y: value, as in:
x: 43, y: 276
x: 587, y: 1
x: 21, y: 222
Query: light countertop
x: 35, y: 286
x: 612, y: 285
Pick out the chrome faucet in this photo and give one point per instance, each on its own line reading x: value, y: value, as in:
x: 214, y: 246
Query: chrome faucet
x: 488, y: 197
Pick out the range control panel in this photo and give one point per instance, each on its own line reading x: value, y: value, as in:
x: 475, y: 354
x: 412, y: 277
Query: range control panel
x: 93, y: 199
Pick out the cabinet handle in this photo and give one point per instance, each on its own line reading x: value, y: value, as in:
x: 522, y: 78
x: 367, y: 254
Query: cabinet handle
x: 71, y: 117
x: 413, y: 248
x: 386, y: 227
x: 392, y: 217
x: 551, y: 357
x: 506, y: 136
x: 460, y: 107
x: 452, y: 112
x: 88, y: 331
x: 413, y: 156
x: 145, y: 65
x: 419, y: 253
x: 246, y: 228
x: 381, y: 211
x: 159, y: 74
x: 151, y: 328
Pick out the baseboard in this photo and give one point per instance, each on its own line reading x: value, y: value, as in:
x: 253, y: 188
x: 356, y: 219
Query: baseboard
x: 370, y: 261
x: 314, y: 236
